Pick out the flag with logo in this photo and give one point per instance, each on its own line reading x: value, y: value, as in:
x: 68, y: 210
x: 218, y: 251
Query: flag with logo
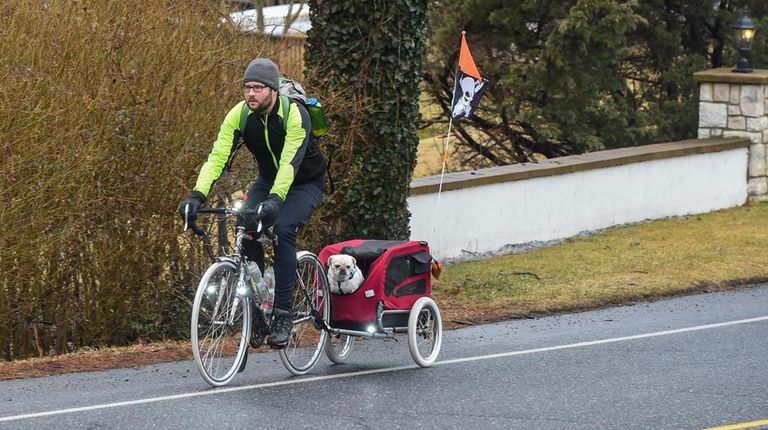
x: 469, y: 87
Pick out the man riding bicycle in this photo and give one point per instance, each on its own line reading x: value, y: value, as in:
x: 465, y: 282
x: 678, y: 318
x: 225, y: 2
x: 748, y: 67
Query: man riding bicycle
x: 278, y: 132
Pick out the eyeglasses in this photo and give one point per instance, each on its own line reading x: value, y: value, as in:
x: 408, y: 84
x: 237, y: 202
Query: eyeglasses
x: 255, y: 88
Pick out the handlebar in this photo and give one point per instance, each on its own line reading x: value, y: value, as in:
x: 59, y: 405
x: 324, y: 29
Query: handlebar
x: 227, y: 211
x: 192, y: 225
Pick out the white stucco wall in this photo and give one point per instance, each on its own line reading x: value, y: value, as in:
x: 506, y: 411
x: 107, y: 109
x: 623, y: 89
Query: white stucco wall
x: 488, y: 217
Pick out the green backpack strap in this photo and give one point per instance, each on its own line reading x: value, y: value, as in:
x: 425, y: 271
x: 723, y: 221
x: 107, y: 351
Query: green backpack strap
x: 239, y: 133
x: 244, y: 111
x: 285, y: 109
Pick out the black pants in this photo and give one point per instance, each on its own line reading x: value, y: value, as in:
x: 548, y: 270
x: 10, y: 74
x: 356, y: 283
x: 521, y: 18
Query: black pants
x: 299, y: 204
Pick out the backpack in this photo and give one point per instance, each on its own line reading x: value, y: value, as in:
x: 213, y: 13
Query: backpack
x: 290, y: 89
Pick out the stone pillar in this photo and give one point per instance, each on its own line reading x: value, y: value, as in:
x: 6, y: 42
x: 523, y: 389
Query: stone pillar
x: 736, y: 105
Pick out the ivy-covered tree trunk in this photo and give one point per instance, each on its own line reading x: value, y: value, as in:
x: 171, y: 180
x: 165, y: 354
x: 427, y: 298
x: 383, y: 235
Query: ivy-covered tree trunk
x: 369, y: 54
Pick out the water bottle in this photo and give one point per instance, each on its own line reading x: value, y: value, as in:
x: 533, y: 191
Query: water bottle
x: 319, y: 126
x: 269, y: 281
x: 257, y: 282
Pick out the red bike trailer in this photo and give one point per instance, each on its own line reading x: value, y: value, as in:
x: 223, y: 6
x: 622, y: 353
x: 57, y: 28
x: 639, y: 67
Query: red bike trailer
x: 393, y: 298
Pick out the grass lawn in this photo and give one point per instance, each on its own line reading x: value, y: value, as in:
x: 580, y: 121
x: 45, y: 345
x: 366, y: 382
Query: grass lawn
x: 620, y: 265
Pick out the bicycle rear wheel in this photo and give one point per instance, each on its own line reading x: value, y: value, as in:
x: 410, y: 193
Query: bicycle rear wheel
x: 220, y: 324
x: 310, y: 305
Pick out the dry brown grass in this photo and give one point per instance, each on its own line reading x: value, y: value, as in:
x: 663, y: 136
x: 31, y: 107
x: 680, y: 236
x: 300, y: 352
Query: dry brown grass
x: 91, y: 360
x: 107, y: 110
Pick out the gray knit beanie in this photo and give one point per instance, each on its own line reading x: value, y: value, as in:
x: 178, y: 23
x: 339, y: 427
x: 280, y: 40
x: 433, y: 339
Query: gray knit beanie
x: 264, y: 71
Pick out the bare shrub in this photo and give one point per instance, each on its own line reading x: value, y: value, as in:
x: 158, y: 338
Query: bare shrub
x: 107, y: 110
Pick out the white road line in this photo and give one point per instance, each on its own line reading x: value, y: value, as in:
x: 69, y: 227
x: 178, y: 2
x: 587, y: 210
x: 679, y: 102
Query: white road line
x: 384, y: 370
x: 604, y: 341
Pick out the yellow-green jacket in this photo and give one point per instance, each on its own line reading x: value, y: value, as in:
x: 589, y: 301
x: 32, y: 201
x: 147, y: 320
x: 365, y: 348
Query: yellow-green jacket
x: 283, y: 146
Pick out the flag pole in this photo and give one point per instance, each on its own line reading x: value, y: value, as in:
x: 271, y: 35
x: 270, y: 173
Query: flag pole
x: 445, y: 147
x: 442, y: 175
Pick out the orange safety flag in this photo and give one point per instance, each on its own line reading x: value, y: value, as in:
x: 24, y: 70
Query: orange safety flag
x: 466, y: 62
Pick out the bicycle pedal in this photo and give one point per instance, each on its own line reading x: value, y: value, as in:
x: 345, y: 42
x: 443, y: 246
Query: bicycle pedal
x: 256, y: 341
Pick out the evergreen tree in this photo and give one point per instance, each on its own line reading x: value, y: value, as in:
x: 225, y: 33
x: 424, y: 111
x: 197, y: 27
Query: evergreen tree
x: 582, y: 75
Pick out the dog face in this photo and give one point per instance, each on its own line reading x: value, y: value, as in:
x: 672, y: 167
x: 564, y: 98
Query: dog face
x: 341, y: 267
x: 343, y: 274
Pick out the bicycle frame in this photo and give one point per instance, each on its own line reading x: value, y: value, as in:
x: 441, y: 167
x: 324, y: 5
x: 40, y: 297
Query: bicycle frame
x: 236, y: 256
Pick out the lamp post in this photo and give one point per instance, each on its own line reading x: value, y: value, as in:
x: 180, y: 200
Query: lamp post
x: 744, y: 30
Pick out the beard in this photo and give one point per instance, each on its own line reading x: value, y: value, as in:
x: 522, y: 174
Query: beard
x: 261, y: 107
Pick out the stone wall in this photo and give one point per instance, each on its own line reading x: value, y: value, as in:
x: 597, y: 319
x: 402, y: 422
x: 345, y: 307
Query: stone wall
x: 736, y: 105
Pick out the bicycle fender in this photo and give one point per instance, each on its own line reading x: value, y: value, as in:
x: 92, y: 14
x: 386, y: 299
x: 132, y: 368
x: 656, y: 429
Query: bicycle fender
x: 223, y: 259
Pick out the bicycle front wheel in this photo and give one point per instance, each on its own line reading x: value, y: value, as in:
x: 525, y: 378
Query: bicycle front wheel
x: 310, y: 307
x: 220, y: 324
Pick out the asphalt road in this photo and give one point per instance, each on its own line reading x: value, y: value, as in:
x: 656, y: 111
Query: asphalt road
x: 687, y: 363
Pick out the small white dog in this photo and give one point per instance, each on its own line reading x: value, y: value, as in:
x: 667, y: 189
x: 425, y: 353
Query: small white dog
x: 343, y: 274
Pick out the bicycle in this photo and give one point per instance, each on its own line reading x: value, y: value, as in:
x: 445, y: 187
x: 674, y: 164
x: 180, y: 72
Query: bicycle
x: 226, y: 302
x: 394, y: 299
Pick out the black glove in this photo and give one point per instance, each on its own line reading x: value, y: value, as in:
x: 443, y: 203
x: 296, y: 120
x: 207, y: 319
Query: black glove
x: 267, y: 211
x: 189, y: 206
